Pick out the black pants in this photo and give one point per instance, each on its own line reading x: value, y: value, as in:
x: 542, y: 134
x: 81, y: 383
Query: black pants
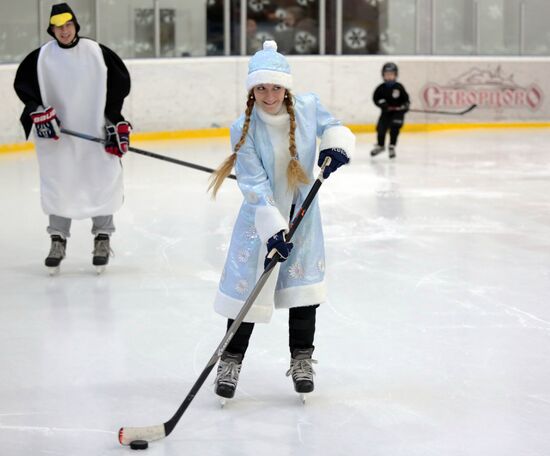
x: 392, y: 121
x: 301, y: 330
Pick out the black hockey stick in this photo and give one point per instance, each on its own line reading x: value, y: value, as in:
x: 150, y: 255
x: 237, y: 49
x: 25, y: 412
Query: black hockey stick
x: 126, y: 435
x: 144, y: 152
x: 449, y: 113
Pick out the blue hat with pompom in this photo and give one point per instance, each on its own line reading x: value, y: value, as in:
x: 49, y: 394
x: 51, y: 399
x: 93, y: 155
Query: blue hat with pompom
x: 268, y: 67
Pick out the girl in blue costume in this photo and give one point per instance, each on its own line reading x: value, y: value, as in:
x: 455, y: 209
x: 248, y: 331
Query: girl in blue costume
x: 274, y: 152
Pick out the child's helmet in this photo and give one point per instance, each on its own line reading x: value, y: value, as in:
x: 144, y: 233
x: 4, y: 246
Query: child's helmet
x: 390, y: 67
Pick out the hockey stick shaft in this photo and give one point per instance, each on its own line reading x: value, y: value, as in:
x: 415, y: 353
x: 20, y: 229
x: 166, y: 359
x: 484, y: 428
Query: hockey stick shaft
x: 144, y: 152
x: 449, y: 113
x: 150, y: 433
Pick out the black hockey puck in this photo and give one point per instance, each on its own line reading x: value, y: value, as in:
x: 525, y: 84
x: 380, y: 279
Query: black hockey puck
x: 139, y: 445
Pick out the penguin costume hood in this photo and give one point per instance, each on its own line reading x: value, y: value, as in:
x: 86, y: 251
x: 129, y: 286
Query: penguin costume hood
x: 61, y: 14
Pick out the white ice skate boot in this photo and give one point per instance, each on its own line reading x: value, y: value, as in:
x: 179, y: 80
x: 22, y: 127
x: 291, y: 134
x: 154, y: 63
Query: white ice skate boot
x: 57, y: 253
x: 391, y: 151
x: 227, y: 377
x: 377, y: 150
x: 302, y: 372
x: 102, y: 250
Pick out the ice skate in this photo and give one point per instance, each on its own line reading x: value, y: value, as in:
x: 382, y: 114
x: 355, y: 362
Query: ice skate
x: 377, y: 150
x: 102, y: 250
x: 227, y: 377
x: 56, y: 255
x: 302, y: 371
x: 391, y: 151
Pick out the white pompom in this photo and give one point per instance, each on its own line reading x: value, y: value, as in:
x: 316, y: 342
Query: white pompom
x: 270, y: 45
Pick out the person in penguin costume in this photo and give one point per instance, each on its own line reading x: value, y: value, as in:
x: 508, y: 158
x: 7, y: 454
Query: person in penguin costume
x: 392, y: 98
x: 274, y: 146
x: 79, y: 84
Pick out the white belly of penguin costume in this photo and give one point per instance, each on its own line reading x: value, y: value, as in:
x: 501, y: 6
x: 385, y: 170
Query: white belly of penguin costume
x: 78, y: 179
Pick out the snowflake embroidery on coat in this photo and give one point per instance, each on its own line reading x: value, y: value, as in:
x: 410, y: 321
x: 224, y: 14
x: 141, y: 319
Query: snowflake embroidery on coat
x: 251, y: 232
x: 241, y: 287
x: 253, y: 198
x: 243, y: 256
x: 296, y: 271
x: 321, y: 266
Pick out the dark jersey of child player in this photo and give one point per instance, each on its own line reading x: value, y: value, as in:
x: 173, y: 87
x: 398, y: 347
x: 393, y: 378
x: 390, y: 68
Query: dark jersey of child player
x: 392, y: 98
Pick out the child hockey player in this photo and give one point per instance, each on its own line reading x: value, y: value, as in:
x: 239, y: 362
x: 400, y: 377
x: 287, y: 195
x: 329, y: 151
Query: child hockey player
x: 392, y: 98
x: 81, y: 85
x: 274, y: 151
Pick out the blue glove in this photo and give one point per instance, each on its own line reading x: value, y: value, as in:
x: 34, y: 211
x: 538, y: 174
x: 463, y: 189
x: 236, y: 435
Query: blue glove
x: 278, y: 243
x: 338, y: 158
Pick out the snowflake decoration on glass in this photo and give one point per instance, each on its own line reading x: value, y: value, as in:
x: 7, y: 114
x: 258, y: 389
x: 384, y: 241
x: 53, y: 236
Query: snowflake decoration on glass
x: 356, y: 38
x: 241, y: 287
x: 144, y: 16
x: 251, y: 232
x: 280, y: 14
x: 304, y: 42
x: 257, y: 5
x: 296, y: 271
x: 305, y: 2
x: 270, y: 200
x: 243, y: 256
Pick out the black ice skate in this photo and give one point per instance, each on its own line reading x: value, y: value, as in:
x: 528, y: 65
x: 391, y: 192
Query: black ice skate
x: 377, y: 150
x: 102, y: 250
x: 302, y: 371
x: 227, y: 377
x: 391, y: 150
x: 57, y: 253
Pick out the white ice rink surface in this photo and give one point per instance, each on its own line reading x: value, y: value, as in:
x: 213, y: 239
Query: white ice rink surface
x: 436, y: 339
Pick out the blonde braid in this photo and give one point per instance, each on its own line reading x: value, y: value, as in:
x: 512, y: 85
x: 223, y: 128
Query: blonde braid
x: 218, y: 176
x: 295, y: 173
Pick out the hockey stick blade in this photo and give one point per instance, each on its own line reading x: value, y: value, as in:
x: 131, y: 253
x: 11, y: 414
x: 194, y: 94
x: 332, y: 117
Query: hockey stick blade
x: 147, y: 433
x: 151, y: 433
x: 144, y: 152
x: 449, y: 113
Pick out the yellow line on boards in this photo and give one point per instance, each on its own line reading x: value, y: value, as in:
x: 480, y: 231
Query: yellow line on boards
x: 364, y: 128
x: 453, y: 126
x: 17, y: 147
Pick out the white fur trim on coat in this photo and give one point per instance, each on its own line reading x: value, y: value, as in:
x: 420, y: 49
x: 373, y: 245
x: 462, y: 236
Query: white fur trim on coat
x: 268, y: 77
x: 301, y: 296
x: 230, y: 307
x: 269, y: 221
x: 338, y: 137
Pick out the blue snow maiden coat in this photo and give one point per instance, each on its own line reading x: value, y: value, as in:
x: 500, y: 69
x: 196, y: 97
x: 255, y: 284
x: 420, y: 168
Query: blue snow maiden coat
x: 299, y: 281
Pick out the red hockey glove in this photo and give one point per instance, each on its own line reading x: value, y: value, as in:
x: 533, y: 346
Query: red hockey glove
x: 118, y: 138
x: 46, y: 123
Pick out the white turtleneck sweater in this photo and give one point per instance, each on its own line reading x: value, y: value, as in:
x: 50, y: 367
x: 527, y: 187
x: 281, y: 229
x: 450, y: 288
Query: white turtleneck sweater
x: 278, y: 126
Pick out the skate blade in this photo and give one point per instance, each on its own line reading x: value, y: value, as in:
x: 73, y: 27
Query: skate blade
x: 99, y: 270
x: 53, y: 270
x: 303, y: 398
x: 223, y: 401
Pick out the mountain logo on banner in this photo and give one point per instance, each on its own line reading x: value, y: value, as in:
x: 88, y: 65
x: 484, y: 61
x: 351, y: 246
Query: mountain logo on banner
x: 487, y: 88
